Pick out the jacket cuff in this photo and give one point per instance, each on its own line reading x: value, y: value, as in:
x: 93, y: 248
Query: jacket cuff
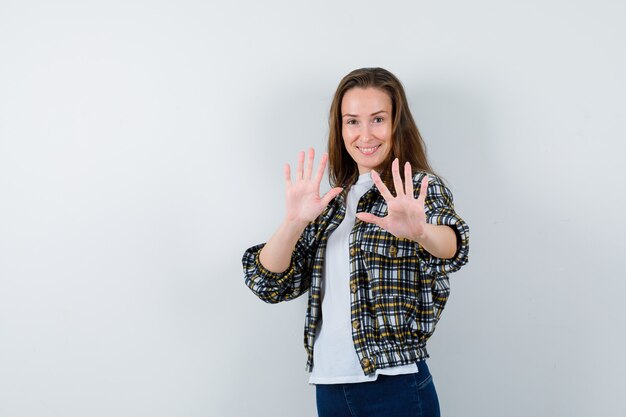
x: 447, y: 217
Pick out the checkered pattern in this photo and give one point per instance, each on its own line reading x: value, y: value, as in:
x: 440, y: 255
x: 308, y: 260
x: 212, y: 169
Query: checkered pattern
x: 398, y: 290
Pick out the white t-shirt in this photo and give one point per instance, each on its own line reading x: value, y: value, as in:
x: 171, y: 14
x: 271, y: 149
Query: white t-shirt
x: 335, y: 360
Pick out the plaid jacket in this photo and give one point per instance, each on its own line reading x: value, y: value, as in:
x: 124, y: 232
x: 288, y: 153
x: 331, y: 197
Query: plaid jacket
x: 398, y: 290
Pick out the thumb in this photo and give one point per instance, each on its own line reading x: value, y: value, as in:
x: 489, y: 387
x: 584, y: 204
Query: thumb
x: 370, y: 218
x: 331, y: 194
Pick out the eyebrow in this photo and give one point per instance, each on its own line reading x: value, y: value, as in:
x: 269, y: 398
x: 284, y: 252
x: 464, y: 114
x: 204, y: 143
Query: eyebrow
x: 356, y: 115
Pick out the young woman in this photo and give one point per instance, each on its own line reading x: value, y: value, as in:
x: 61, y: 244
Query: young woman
x: 373, y: 253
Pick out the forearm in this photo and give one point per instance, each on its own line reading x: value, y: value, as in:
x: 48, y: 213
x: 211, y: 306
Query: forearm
x: 438, y: 240
x: 276, y: 254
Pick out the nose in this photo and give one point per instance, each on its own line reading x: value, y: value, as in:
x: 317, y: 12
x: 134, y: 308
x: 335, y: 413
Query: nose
x: 366, y: 132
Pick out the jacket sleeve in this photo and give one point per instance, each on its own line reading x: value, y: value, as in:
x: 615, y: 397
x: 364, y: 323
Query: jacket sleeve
x: 439, y: 208
x: 273, y: 287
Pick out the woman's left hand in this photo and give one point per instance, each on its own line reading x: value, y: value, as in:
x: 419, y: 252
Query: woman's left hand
x: 406, y: 217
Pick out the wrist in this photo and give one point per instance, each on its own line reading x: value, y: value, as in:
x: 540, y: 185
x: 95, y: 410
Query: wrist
x: 295, y: 225
x: 425, y: 234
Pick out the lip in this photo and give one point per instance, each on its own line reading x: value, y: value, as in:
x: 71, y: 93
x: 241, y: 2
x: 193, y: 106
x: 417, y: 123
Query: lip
x: 369, y: 150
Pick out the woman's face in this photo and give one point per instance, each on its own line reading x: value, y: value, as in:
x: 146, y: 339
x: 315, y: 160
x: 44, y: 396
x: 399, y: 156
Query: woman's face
x: 366, y: 126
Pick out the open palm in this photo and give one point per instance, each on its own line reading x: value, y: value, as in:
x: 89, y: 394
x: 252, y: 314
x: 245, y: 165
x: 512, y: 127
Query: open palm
x: 303, y: 199
x: 406, y: 217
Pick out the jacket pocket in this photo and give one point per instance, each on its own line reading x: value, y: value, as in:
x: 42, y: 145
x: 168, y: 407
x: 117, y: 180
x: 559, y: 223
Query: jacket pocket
x: 391, y: 264
x: 395, y: 320
x: 381, y: 242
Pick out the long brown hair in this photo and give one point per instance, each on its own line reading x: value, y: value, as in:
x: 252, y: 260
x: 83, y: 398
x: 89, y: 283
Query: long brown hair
x: 407, y: 143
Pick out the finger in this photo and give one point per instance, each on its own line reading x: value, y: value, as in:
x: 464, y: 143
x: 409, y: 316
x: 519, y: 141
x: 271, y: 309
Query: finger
x: 423, y: 190
x: 300, y: 169
x: 287, y: 171
x: 309, y: 165
x: 397, y: 181
x: 408, y: 180
x: 370, y: 218
x: 320, y: 169
x: 328, y: 197
x: 384, y: 191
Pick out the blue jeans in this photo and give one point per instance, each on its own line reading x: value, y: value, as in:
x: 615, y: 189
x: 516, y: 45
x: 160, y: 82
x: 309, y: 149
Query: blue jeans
x: 410, y: 395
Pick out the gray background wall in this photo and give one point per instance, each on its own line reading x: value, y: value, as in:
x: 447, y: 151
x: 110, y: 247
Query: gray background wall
x: 141, y: 152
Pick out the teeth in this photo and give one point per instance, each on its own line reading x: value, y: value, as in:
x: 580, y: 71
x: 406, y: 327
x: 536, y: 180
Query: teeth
x: 369, y: 150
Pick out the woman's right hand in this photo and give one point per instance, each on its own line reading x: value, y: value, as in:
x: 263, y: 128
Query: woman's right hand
x: 303, y: 199
x: 304, y: 204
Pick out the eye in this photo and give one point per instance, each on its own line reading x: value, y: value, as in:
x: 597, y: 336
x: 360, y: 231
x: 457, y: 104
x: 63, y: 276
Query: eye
x: 378, y: 119
x: 351, y: 122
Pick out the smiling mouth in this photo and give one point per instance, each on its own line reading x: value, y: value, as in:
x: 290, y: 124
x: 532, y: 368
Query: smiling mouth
x: 368, y: 151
